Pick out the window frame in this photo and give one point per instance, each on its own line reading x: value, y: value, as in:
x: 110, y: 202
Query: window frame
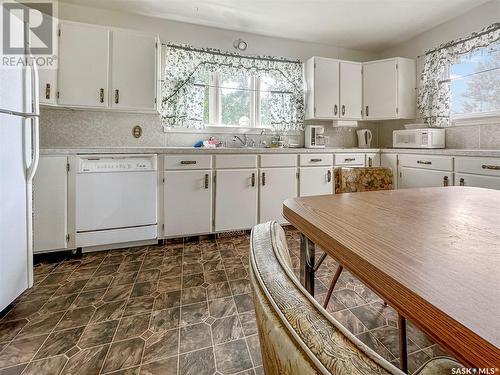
x: 478, y: 118
x: 215, y: 104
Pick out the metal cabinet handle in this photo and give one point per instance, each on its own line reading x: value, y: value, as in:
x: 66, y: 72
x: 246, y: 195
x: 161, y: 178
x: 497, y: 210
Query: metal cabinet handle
x: 47, y: 91
x: 343, y: 110
x: 188, y: 161
x: 494, y: 167
x: 101, y: 95
x: 263, y: 179
x: 315, y: 160
x: 206, y: 180
x: 446, y: 181
x: 349, y: 159
x: 253, y: 179
x: 424, y: 162
x: 329, y: 176
x: 335, y: 109
x: 462, y: 182
x: 366, y: 111
x: 117, y: 96
x: 370, y: 162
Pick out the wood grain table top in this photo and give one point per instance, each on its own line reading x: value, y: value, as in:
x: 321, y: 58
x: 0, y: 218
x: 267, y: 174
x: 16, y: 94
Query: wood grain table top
x: 431, y: 253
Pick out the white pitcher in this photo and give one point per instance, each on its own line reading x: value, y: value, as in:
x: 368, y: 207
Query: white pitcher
x: 364, y: 138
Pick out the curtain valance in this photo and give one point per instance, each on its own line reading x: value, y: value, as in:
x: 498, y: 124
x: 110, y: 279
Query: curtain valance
x: 183, y: 99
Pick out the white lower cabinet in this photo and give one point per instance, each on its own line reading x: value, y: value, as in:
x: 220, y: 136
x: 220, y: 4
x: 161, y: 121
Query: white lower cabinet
x: 415, y: 178
x: 391, y: 161
x: 50, y: 204
x: 372, y: 160
x: 315, y: 181
x: 235, y: 199
x: 188, y: 202
x: 466, y: 179
x: 276, y: 185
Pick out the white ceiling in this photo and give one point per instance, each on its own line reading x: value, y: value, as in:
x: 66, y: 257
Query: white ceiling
x: 371, y: 25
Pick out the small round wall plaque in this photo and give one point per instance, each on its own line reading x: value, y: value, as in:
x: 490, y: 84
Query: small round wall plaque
x: 137, y: 131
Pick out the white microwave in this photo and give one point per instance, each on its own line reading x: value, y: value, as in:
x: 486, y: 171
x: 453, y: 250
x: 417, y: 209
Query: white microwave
x: 418, y: 138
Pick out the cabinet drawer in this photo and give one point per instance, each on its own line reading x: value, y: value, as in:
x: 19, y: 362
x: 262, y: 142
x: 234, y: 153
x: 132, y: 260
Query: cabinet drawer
x: 442, y: 163
x: 350, y: 159
x: 484, y: 166
x: 188, y: 162
x: 316, y: 159
x: 465, y: 179
x: 236, y: 161
x: 269, y: 161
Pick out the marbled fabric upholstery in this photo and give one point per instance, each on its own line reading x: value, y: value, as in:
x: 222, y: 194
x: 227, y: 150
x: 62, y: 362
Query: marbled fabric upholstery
x: 297, y: 335
x: 356, y: 179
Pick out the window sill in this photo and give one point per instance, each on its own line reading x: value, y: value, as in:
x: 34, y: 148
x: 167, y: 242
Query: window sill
x: 227, y: 130
x: 483, y: 119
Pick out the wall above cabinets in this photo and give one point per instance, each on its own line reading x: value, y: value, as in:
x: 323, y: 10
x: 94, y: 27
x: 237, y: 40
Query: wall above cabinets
x: 375, y: 90
x: 103, y: 68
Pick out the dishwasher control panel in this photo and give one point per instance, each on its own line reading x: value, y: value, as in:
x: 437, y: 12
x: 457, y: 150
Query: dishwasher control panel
x: 116, y: 163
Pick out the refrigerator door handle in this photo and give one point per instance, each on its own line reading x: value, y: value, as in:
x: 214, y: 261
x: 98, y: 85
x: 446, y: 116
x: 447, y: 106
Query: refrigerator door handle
x: 35, y: 87
x: 35, y: 148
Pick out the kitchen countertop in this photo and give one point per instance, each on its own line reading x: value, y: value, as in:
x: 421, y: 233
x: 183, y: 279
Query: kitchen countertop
x: 227, y: 150
x: 192, y: 150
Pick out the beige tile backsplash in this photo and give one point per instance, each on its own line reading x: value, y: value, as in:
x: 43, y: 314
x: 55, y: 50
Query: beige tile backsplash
x: 78, y: 128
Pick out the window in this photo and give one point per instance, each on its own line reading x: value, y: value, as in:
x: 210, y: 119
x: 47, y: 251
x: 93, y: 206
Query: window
x: 237, y: 99
x: 475, y: 84
x: 205, y: 86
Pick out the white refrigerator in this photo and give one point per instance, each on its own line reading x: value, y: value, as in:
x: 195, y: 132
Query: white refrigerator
x: 19, y: 154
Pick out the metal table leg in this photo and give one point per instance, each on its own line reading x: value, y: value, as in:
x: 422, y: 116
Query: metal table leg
x: 307, y: 263
x: 403, y: 345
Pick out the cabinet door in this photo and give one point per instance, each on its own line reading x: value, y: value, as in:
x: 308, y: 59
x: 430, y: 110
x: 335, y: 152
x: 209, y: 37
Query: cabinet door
x: 83, y: 65
x: 315, y: 181
x: 276, y: 185
x: 372, y: 160
x: 466, y: 179
x: 350, y: 90
x: 188, y: 202
x: 235, y: 199
x: 414, y: 177
x: 47, y: 83
x: 391, y: 161
x: 133, y: 70
x: 326, y: 88
x: 380, y: 89
x: 50, y: 204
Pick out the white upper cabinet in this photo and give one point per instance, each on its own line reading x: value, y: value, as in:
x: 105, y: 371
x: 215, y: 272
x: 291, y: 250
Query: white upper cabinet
x: 350, y: 90
x: 133, y: 70
x: 322, y: 88
x: 333, y: 89
x: 47, y: 84
x: 83, y: 65
x: 389, y: 89
x: 102, y: 67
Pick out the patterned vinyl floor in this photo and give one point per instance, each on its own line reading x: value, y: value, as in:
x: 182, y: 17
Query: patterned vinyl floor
x: 182, y: 308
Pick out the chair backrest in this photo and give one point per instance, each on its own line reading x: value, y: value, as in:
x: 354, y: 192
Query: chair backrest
x: 355, y: 179
x: 297, y: 335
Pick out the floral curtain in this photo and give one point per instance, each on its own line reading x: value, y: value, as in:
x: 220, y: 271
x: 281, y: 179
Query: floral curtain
x: 433, y: 99
x: 183, y: 97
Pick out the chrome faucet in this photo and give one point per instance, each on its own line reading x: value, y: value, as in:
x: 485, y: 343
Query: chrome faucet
x: 244, y: 141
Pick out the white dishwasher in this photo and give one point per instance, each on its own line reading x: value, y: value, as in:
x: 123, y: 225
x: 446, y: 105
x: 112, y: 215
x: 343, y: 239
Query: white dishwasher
x: 116, y: 199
